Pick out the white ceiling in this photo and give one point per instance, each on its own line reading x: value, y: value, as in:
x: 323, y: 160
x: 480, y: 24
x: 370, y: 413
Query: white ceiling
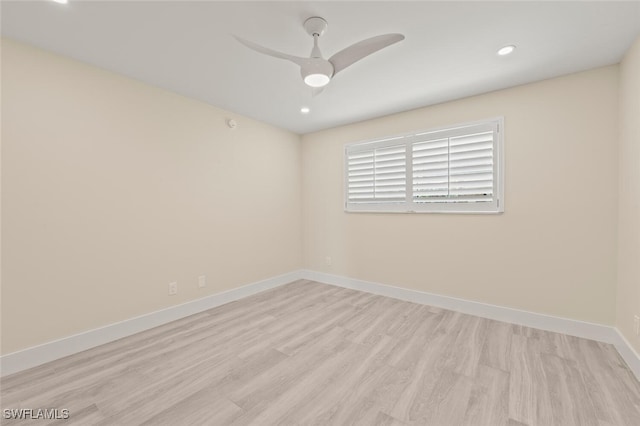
x: 449, y: 51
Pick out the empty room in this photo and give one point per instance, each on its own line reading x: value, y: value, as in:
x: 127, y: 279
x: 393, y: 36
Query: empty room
x: 320, y: 213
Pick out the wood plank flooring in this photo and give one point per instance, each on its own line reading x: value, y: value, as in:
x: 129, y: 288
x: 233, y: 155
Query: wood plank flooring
x: 313, y: 354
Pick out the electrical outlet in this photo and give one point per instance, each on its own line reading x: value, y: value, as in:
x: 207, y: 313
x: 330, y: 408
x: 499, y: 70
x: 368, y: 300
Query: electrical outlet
x: 173, y: 288
x: 327, y: 261
x: 636, y: 324
x: 202, y: 281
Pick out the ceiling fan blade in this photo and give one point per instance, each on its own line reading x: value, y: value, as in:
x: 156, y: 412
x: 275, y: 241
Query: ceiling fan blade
x: 266, y: 51
x: 355, y: 52
x: 316, y: 91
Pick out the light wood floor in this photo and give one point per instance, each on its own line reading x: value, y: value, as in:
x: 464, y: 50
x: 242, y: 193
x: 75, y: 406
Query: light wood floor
x: 313, y: 354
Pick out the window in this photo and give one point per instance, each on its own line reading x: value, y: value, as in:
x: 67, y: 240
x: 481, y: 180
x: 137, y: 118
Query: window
x: 456, y: 169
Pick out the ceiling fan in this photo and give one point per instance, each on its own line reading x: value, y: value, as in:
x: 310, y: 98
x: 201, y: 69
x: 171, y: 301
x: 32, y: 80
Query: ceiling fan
x: 317, y: 71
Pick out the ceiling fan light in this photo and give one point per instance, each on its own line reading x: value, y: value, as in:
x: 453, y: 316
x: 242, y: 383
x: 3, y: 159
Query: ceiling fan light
x: 317, y: 80
x: 316, y: 72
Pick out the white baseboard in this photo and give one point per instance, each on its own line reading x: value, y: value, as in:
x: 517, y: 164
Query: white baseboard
x: 627, y: 353
x: 587, y: 330
x: 37, y: 355
x: 50, y: 351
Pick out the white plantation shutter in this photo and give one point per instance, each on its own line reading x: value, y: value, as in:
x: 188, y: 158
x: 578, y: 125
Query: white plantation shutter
x: 377, y: 174
x: 471, y: 167
x: 449, y: 170
x: 457, y: 169
x: 431, y: 170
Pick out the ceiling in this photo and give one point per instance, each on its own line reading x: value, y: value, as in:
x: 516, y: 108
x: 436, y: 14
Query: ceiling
x: 449, y: 51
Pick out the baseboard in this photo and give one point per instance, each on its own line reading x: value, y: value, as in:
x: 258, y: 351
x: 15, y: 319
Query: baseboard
x: 587, y: 330
x: 628, y: 354
x: 50, y: 351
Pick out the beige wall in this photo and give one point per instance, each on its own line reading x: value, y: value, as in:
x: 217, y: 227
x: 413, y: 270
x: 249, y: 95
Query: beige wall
x: 112, y: 188
x: 553, y: 251
x: 628, y: 294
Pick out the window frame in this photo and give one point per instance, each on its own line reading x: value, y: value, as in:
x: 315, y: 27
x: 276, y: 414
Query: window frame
x: 496, y: 206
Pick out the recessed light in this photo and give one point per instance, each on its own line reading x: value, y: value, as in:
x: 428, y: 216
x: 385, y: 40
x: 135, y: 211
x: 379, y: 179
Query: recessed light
x: 305, y: 110
x: 506, y: 50
x: 61, y: 1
